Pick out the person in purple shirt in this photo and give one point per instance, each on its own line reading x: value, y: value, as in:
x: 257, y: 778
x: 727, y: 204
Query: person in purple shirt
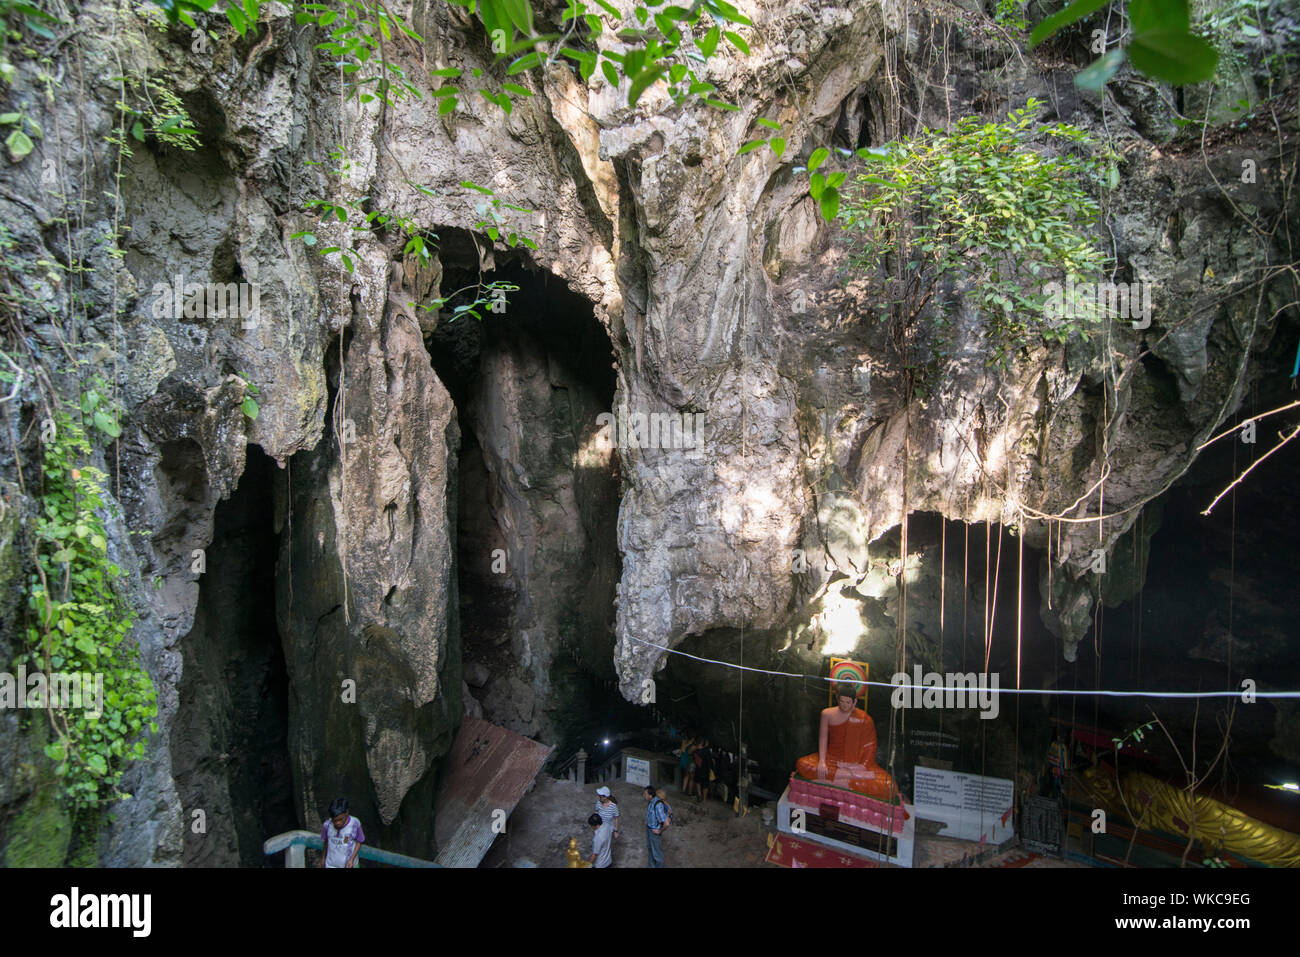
x: 342, y: 835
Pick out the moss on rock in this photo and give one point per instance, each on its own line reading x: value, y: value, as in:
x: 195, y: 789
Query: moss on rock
x: 39, y: 834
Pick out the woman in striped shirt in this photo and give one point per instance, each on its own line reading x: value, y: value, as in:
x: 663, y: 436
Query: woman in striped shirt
x: 607, y: 807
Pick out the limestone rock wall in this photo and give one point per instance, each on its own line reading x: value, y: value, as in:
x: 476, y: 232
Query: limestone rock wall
x: 721, y: 291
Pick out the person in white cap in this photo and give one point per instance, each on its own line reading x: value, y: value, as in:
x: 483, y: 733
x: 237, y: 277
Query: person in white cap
x: 607, y: 807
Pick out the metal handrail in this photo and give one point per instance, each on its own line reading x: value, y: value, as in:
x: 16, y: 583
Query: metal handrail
x: 295, y: 843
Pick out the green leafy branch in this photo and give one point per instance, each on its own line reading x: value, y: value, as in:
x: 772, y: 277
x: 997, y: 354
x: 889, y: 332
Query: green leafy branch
x: 82, y: 625
x: 984, y: 204
x: 249, y: 406
x: 1011, y: 13
x: 1135, y: 736
x: 18, y: 142
x: 493, y: 221
x: 775, y: 143
x: 449, y: 95
x: 489, y: 296
x: 656, y: 43
x: 156, y: 111
x: 1161, y: 43
x: 99, y: 412
x: 357, y: 33
x: 824, y: 187
x: 353, y: 212
x: 242, y: 14
x: 19, y: 13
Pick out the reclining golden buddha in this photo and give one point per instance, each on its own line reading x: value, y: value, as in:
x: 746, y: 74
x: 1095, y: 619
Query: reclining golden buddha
x: 846, y: 750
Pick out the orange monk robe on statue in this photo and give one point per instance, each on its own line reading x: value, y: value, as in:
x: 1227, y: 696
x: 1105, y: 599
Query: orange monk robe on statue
x: 847, y: 753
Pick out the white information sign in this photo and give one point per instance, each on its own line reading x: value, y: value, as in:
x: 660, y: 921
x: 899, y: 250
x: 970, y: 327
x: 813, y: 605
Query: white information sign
x: 971, y: 807
x: 636, y: 771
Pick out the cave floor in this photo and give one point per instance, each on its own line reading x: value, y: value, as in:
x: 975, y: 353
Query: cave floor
x: 703, y: 835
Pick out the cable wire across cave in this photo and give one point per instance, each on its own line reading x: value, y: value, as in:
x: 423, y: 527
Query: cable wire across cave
x: 1104, y: 693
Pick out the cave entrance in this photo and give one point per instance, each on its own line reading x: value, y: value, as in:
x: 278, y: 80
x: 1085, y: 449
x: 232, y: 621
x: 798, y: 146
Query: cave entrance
x: 229, y: 744
x: 537, y: 500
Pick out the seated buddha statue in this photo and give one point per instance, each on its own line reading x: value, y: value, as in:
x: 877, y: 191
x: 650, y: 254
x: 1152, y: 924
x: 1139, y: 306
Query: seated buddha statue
x: 846, y: 750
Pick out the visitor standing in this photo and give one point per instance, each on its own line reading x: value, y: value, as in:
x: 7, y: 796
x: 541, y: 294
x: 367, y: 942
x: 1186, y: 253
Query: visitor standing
x: 703, y: 769
x: 607, y: 808
x: 658, y: 816
x: 1058, y: 763
x: 342, y: 836
x: 723, y: 774
x: 688, y: 764
x: 602, y: 842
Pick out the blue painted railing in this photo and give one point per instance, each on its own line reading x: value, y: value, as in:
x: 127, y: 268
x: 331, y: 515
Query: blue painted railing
x: 295, y: 843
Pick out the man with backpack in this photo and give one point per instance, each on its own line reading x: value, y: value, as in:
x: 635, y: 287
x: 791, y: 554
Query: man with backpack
x: 658, y: 816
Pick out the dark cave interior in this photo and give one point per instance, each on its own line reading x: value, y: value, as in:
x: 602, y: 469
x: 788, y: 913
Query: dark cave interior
x: 546, y: 335
x: 230, y: 742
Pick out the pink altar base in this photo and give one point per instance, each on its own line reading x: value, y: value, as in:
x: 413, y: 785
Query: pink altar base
x: 854, y: 808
